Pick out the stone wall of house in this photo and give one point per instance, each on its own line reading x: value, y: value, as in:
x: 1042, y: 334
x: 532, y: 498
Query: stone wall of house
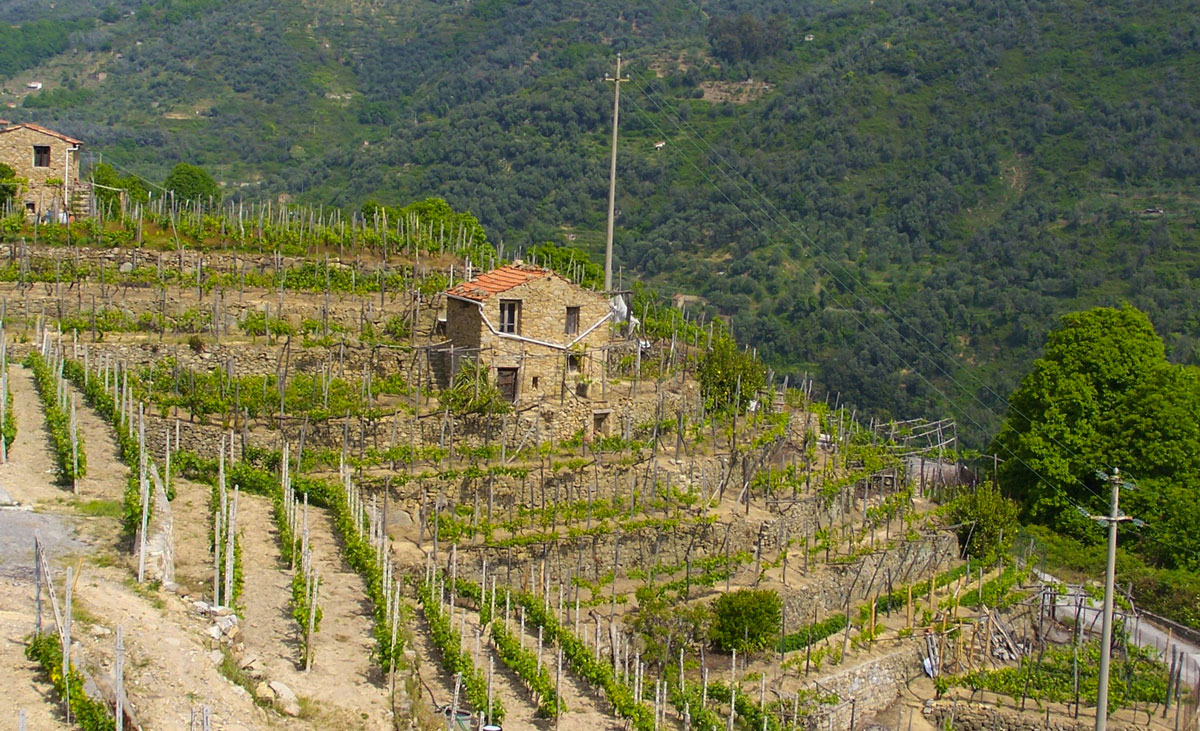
x: 16, y: 150
x: 545, y: 368
x: 463, y: 323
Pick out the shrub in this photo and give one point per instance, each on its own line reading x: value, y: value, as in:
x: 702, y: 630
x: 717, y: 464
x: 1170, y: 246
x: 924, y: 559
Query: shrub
x: 747, y: 620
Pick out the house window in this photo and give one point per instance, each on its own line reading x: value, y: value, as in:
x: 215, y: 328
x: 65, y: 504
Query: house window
x: 574, y: 361
x: 506, y: 381
x: 41, y: 156
x: 510, y: 316
x: 572, y: 325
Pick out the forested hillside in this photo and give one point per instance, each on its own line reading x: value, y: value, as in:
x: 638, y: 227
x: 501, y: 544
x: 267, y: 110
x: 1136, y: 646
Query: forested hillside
x: 901, y: 205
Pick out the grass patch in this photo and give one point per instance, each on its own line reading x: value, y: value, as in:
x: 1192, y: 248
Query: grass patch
x: 101, y: 508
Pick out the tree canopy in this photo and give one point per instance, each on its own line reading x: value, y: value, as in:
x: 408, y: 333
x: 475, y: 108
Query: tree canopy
x: 192, y: 182
x: 1104, y: 396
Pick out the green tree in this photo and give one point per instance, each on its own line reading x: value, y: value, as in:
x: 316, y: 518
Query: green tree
x: 8, y: 184
x: 746, y: 620
x: 192, y: 182
x: 1102, y: 396
x: 106, y: 175
x: 986, y: 520
x: 729, y: 377
x: 666, y: 625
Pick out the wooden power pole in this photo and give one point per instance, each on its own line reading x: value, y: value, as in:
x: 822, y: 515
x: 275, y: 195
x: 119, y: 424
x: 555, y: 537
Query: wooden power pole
x: 612, y: 175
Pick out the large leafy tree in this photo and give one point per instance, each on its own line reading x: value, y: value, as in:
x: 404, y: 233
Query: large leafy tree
x: 1103, y: 396
x: 192, y: 182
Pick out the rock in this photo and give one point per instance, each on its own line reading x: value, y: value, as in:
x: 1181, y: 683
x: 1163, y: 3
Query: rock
x: 248, y: 661
x: 225, y: 622
x: 171, y: 586
x: 225, y: 612
x: 263, y: 693
x: 6, y: 499
x: 399, y: 519
x: 216, y: 656
x: 285, y: 698
x: 202, y: 607
x: 214, y: 632
x: 233, y: 632
x: 126, y: 267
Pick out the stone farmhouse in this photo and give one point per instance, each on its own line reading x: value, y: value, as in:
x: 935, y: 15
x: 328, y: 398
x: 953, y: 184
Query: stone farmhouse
x: 47, y: 164
x: 541, y: 335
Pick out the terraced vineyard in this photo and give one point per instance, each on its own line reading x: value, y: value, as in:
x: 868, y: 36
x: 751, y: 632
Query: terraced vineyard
x: 321, y: 541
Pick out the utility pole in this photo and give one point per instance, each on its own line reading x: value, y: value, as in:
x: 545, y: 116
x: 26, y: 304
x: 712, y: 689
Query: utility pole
x: 1112, y: 519
x: 612, y: 175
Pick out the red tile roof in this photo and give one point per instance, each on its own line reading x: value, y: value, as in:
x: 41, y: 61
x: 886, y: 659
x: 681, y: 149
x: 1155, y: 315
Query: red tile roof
x: 43, y: 130
x: 496, y: 281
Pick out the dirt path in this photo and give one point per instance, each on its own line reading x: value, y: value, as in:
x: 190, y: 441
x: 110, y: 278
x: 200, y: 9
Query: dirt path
x: 585, y: 704
x: 273, y: 637
x: 170, y: 670
x: 190, y: 519
x: 106, y: 473
x: 342, y: 673
x: 29, y: 473
x: 519, y: 709
x: 438, y: 685
x: 25, y: 688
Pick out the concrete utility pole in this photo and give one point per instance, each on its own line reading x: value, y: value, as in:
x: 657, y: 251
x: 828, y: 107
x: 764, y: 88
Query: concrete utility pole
x: 612, y: 175
x: 1111, y: 519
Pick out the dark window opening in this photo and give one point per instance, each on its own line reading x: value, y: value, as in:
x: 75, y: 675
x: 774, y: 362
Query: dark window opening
x: 574, y: 362
x: 30, y: 207
x: 572, y: 325
x: 510, y: 316
x: 534, y: 382
x: 41, y: 156
x: 600, y: 423
x: 506, y: 381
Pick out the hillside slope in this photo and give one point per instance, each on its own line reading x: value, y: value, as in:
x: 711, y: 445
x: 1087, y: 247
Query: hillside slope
x: 901, y: 205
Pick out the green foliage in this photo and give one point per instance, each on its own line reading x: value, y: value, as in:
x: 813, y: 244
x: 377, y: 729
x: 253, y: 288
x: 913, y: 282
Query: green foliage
x: 71, y: 462
x: 667, y: 625
x: 521, y: 661
x: 28, y: 44
x: 455, y: 659
x: 814, y: 633
x: 8, y: 183
x: 472, y: 392
x: 584, y: 663
x: 89, y: 715
x: 729, y: 377
x: 191, y: 183
x: 1103, y: 396
x: 987, y: 521
x: 127, y: 445
x: 107, y: 175
x: 745, y: 38
x: 1051, y: 677
x: 746, y: 620
x: 569, y: 261
x: 10, y: 420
